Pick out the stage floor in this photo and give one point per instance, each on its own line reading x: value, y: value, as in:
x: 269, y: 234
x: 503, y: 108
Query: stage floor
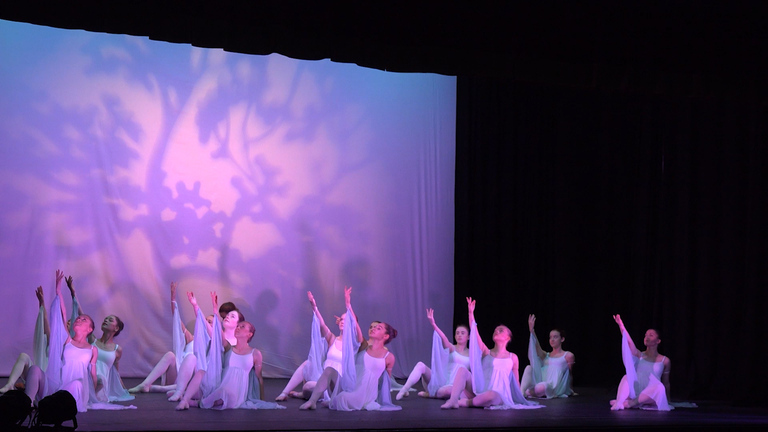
x: 587, y: 411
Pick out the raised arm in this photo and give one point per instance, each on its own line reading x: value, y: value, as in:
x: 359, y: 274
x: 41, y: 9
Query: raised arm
x: 531, y: 323
x: 188, y: 337
x: 348, y: 304
x: 325, y: 332
x: 217, y: 316
x: 71, y: 286
x: 41, y: 303
x: 59, y: 277
x: 472, y: 322
x: 632, y: 347
x: 196, y: 307
x: 446, y: 342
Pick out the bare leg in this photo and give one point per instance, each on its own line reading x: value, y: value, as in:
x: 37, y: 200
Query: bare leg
x: 296, y: 379
x: 461, y: 382
x: 306, y: 390
x: 328, y: 377
x: 482, y: 400
x: 192, y: 389
x: 186, y: 370
x: 419, y: 371
x: 166, y: 365
x: 35, y: 383
x: 19, y: 370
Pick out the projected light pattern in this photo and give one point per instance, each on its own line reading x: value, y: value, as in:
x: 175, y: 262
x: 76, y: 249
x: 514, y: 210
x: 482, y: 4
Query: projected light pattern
x: 130, y: 163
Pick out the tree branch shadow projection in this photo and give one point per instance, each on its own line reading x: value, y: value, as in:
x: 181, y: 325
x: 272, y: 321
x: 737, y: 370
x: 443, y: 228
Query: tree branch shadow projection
x: 97, y: 146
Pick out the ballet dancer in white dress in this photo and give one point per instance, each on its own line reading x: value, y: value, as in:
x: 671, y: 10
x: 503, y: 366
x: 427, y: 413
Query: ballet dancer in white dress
x: 549, y: 373
x: 324, y: 352
x: 494, y: 377
x: 646, y: 383
x: 447, y: 358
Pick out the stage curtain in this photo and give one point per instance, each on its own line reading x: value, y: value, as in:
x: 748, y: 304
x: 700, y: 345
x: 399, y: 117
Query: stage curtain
x: 575, y: 203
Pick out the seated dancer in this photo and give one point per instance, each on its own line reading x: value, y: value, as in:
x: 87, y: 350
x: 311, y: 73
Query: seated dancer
x: 324, y: 352
x: 109, y: 386
x: 494, y: 377
x: 175, y: 368
x: 447, y: 359
x: 549, y: 374
x: 241, y: 385
x: 39, y: 349
x: 72, y: 361
x: 367, y: 367
x: 646, y: 384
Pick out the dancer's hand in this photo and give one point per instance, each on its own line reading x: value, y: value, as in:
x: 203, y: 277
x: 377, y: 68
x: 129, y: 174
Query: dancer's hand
x: 531, y: 322
x: 431, y: 316
x: 174, y: 285
x: 39, y: 294
x: 59, y: 277
x: 311, y: 299
x: 470, y: 305
x: 192, y: 300
x: 70, y: 285
x: 215, y: 301
x: 618, y: 320
x: 348, y: 296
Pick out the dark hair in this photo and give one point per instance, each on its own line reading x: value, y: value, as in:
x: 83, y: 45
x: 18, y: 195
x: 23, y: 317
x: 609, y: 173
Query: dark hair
x: 559, y: 330
x: 390, y: 331
x: 253, y: 331
x: 658, y: 333
x: 226, y: 308
x: 120, y: 325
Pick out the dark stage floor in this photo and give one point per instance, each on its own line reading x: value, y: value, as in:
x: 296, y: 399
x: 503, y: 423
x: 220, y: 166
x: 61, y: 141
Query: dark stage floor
x: 588, y: 411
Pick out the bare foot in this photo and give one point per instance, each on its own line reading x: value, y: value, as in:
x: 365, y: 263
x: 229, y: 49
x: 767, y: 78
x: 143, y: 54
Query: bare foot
x: 450, y: 404
x: 281, y: 397
x: 401, y: 395
x: 308, y: 406
x: 139, y: 389
x: 5, y: 389
x: 175, y: 397
x: 297, y: 395
x: 183, y: 405
x: 423, y: 394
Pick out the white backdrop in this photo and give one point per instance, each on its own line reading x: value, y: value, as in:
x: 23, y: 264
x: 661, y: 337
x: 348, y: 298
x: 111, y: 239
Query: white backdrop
x: 130, y: 163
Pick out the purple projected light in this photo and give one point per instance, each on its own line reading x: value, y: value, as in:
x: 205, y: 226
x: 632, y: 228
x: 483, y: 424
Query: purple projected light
x: 130, y: 163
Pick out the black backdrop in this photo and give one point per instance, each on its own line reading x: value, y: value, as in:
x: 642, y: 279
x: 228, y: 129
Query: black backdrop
x: 576, y: 204
x: 610, y: 156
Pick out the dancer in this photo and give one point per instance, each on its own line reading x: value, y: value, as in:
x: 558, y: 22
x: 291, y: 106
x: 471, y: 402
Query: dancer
x: 447, y: 358
x: 494, y: 375
x: 176, y: 367
x: 646, y: 383
x: 109, y: 386
x: 39, y: 357
x: 242, y: 385
x: 367, y: 366
x: 323, y: 345
x: 549, y: 374
x: 71, y: 360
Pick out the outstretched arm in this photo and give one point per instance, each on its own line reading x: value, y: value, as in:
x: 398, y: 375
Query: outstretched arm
x: 348, y: 304
x: 41, y: 302
x: 71, y: 286
x: 217, y: 316
x: 59, y: 277
x: 188, y: 337
x: 471, y: 310
x: 325, y: 332
x: 446, y: 342
x: 196, y: 307
x: 531, y: 322
x: 632, y: 347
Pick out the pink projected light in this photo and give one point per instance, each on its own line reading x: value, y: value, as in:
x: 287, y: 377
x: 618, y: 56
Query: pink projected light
x: 130, y: 163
